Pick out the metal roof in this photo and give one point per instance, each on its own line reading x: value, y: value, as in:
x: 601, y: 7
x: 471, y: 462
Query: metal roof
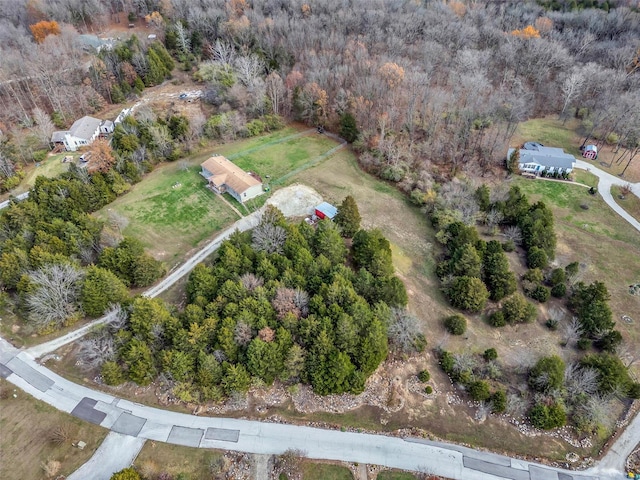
x: 327, y: 209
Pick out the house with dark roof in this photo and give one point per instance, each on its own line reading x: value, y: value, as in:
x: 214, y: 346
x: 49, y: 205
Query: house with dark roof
x: 225, y: 176
x: 82, y: 133
x: 536, y: 158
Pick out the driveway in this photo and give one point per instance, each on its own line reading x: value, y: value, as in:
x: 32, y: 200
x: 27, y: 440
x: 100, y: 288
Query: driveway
x: 414, y: 454
x: 116, y: 452
x: 606, y: 181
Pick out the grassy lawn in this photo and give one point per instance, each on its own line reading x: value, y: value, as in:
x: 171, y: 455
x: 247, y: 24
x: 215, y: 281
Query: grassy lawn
x: 52, y: 166
x: 602, y: 241
x: 587, y: 178
x: 158, y: 457
x: 171, y: 211
x: 325, y: 471
x: 25, y: 426
x: 630, y: 202
x: 392, y: 475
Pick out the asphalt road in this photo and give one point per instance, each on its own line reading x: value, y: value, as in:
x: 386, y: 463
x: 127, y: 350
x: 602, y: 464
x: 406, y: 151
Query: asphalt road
x: 149, y: 423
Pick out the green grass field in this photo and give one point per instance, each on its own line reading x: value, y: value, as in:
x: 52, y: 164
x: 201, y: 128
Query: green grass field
x: 630, y: 202
x: 52, y: 166
x: 171, y: 211
x: 325, y: 471
x: 584, y: 177
x: 194, y: 463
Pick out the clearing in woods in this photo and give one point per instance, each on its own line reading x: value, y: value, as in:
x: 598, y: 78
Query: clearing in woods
x: 27, y: 449
x: 171, y: 211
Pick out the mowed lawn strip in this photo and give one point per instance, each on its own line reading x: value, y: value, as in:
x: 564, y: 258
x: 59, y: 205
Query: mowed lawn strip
x: 630, y: 202
x: 325, y: 471
x: 26, y: 425
x: 157, y: 457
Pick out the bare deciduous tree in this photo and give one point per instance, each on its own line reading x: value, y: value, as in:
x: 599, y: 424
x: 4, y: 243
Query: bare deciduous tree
x: 578, y: 380
x: 251, y: 281
x: 572, y: 330
x: 514, y: 234
x: 249, y: 69
x: 54, y: 298
x: 404, y: 331
x: 43, y: 126
x: 97, y: 349
x: 268, y: 238
x: 243, y: 334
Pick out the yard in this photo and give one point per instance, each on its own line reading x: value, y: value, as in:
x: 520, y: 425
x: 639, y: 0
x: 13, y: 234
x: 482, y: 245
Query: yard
x: 589, y: 232
x: 50, y: 167
x: 553, y: 133
x: 325, y: 471
x: 395, y: 475
x: 26, y: 428
x: 630, y: 202
x: 194, y: 463
x: 172, y: 211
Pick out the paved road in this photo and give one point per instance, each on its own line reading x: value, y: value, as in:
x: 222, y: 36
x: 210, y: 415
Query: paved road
x: 606, y: 181
x: 22, y: 196
x: 144, y: 422
x: 116, y: 452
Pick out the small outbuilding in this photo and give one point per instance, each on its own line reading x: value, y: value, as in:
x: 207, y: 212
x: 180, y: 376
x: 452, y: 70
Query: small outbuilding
x: 326, y: 210
x: 590, y: 151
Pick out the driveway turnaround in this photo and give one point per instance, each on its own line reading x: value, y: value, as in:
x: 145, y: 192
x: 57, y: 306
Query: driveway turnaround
x: 136, y: 421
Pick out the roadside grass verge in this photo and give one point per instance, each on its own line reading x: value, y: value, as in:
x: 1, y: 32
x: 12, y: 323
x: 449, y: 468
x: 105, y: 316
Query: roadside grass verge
x: 395, y: 475
x: 630, y: 202
x: 25, y: 427
x: 325, y: 471
x: 606, y: 245
x: 193, y: 463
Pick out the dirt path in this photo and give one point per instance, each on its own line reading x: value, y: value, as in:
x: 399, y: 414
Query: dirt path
x: 261, y: 467
x: 361, y: 472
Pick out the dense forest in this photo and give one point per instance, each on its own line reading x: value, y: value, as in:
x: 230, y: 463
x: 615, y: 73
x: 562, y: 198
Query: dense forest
x: 434, y: 87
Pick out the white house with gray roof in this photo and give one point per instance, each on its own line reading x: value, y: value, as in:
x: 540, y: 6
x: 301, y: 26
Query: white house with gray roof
x: 82, y: 133
x: 536, y: 158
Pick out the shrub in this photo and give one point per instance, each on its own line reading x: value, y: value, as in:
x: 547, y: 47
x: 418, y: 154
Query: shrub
x: 112, y: 373
x: 490, y: 354
x: 456, y: 324
x: 634, y: 390
x: 496, y: 319
x: 446, y: 362
x: 498, y: 401
x: 547, y: 417
x: 572, y: 269
x: 557, y: 277
x: 559, y: 291
x: 552, y: 324
x: 540, y: 293
x: 508, y: 246
x: 424, y: 376
x: 468, y: 293
x: 584, y: 344
x: 547, y: 374
x: 428, y: 390
x: 479, y: 390
x: 517, y: 309
x: 537, y: 258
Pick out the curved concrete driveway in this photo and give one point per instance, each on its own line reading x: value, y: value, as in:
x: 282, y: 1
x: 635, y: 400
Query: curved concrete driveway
x: 606, y: 181
x: 144, y: 422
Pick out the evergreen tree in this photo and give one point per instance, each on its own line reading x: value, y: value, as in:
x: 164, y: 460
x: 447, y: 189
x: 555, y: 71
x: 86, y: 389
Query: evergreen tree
x: 348, y: 127
x: 348, y: 217
x: 100, y: 289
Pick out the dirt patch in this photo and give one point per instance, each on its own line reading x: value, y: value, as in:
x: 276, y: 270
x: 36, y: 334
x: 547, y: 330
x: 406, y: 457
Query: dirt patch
x: 295, y: 200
